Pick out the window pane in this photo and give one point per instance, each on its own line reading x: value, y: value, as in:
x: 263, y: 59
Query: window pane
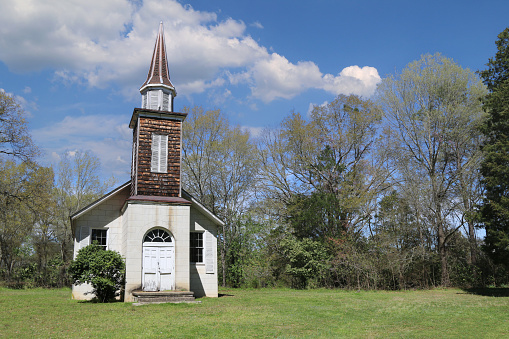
x: 99, y: 236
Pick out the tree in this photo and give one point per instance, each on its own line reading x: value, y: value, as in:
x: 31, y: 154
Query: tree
x: 15, y: 140
x: 219, y: 168
x: 306, y: 259
x: 78, y: 184
x: 338, y: 156
x: 433, y: 112
x: 103, y: 269
x: 25, y: 195
x: 495, y: 166
x: 25, y: 187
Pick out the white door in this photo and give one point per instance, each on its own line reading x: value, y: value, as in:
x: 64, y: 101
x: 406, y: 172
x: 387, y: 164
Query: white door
x: 150, y: 271
x: 166, y: 268
x: 158, y: 270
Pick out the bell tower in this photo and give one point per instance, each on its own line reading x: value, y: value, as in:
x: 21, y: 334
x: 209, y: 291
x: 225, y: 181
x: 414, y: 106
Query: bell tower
x: 157, y: 132
x: 157, y: 92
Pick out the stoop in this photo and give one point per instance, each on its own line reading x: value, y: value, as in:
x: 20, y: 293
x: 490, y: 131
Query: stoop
x: 159, y: 297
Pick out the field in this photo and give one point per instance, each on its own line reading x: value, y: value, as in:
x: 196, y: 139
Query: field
x: 453, y: 313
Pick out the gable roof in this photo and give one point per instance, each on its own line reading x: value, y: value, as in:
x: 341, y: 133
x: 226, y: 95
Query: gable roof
x: 186, y: 198
x: 202, y: 208
x: 100, y: 201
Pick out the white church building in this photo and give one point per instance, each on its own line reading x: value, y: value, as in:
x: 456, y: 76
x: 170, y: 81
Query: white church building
x: 167, y: 238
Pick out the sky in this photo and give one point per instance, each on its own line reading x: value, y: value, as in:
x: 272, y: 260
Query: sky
x: 76, y: 66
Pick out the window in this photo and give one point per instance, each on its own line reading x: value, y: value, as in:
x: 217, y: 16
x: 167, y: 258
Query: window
x: 99, y: 236
x: 157, y: 236
x: 196, y: 247
x: 159, y: 161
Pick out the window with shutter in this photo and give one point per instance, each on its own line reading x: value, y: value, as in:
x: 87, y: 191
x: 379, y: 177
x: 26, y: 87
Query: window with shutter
x: 159, y: 161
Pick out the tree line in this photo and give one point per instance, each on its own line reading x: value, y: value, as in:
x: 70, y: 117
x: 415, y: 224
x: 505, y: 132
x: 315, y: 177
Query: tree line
x: 36, y: 202
x: 387, y: 192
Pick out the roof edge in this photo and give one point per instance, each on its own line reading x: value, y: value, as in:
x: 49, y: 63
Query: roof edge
x: 214, y: 218
x: 99, y: 201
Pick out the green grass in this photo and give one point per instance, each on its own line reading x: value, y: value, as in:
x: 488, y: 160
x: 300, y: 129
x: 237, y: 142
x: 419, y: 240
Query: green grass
x: 452, y: 313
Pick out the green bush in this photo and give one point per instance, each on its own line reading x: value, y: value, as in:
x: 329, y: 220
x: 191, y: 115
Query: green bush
x: 103, y: 269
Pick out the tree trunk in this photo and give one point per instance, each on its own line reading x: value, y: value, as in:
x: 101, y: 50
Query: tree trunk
x: 472, y: 261
x: 443, y: 255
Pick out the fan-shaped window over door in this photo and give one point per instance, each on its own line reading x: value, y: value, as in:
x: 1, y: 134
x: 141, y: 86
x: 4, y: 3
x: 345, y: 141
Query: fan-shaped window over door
x: 158, y: 269
x: 157, y: 236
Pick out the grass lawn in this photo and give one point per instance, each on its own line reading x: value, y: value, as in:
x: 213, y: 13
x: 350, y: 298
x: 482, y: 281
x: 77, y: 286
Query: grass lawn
x: 454, y: 313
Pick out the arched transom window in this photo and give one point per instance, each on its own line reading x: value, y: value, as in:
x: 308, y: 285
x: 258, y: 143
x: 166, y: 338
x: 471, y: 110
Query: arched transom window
x: 157, y: 236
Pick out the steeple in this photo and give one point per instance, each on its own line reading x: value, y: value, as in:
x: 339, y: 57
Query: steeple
x: 157, y: 131
x: 157, y: 91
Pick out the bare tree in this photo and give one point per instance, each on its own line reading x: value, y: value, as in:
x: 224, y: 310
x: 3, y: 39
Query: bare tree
x: 77, y: 185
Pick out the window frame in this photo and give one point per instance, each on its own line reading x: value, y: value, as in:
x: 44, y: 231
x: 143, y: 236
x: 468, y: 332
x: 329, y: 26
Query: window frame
x: 105, y: 230
x: 200, y: 249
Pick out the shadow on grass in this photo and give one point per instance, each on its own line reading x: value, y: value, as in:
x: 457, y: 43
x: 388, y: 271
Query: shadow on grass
x: 95, y: 301
x: 220, y: 295
x: 489, y: 292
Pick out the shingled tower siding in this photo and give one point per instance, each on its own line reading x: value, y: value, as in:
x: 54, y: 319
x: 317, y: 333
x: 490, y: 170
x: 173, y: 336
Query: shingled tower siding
x: 158, y: 184
x: 134, y: 163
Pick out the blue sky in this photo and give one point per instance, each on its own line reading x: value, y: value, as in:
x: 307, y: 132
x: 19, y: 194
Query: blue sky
x: 76, y: 66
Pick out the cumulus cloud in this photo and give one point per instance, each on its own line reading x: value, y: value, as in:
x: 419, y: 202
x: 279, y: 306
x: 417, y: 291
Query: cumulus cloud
x: 107, y: 136
x: 277, y: 78
x: 98, y: 43
x: 352, y: 80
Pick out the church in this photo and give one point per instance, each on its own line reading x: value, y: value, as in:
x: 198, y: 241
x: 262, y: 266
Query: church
x: 167, y: 238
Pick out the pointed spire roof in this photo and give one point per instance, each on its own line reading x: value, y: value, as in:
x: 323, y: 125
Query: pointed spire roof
x: 159, y: 74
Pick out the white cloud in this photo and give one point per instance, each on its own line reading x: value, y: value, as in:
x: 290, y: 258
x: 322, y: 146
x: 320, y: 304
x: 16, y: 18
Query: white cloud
x: 353, y: 80
x: 253, y: 131
x: 257, y: 24
x: 102, y: 42
x: 107, y: 136
x: 276, y: 77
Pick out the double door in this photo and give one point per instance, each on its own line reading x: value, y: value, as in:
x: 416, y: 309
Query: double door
x: 158, y: 270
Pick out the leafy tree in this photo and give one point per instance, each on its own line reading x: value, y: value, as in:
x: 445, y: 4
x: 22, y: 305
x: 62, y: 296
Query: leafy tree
x: 219, y: 168
x: 15, y: 140
x: 433, y: 112
x: 495, y: 166
x: 403, y: 245
x: 103, y: 269
x: 338, y: 153
x: 306, y: 259
x: 25, y: 187
x: 25, y: 194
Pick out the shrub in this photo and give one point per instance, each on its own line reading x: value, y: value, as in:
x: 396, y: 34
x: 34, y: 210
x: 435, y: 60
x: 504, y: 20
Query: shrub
x: 103, y: 269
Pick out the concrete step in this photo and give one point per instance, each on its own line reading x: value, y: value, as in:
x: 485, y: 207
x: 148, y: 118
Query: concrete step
x: 144, y: 297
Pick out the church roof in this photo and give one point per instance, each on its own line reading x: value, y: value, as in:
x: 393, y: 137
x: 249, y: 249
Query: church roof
x: 159, y: 73
x: 184, y: 200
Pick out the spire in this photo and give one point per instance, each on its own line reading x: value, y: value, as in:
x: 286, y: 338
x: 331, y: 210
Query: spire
x: 158, y: 91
